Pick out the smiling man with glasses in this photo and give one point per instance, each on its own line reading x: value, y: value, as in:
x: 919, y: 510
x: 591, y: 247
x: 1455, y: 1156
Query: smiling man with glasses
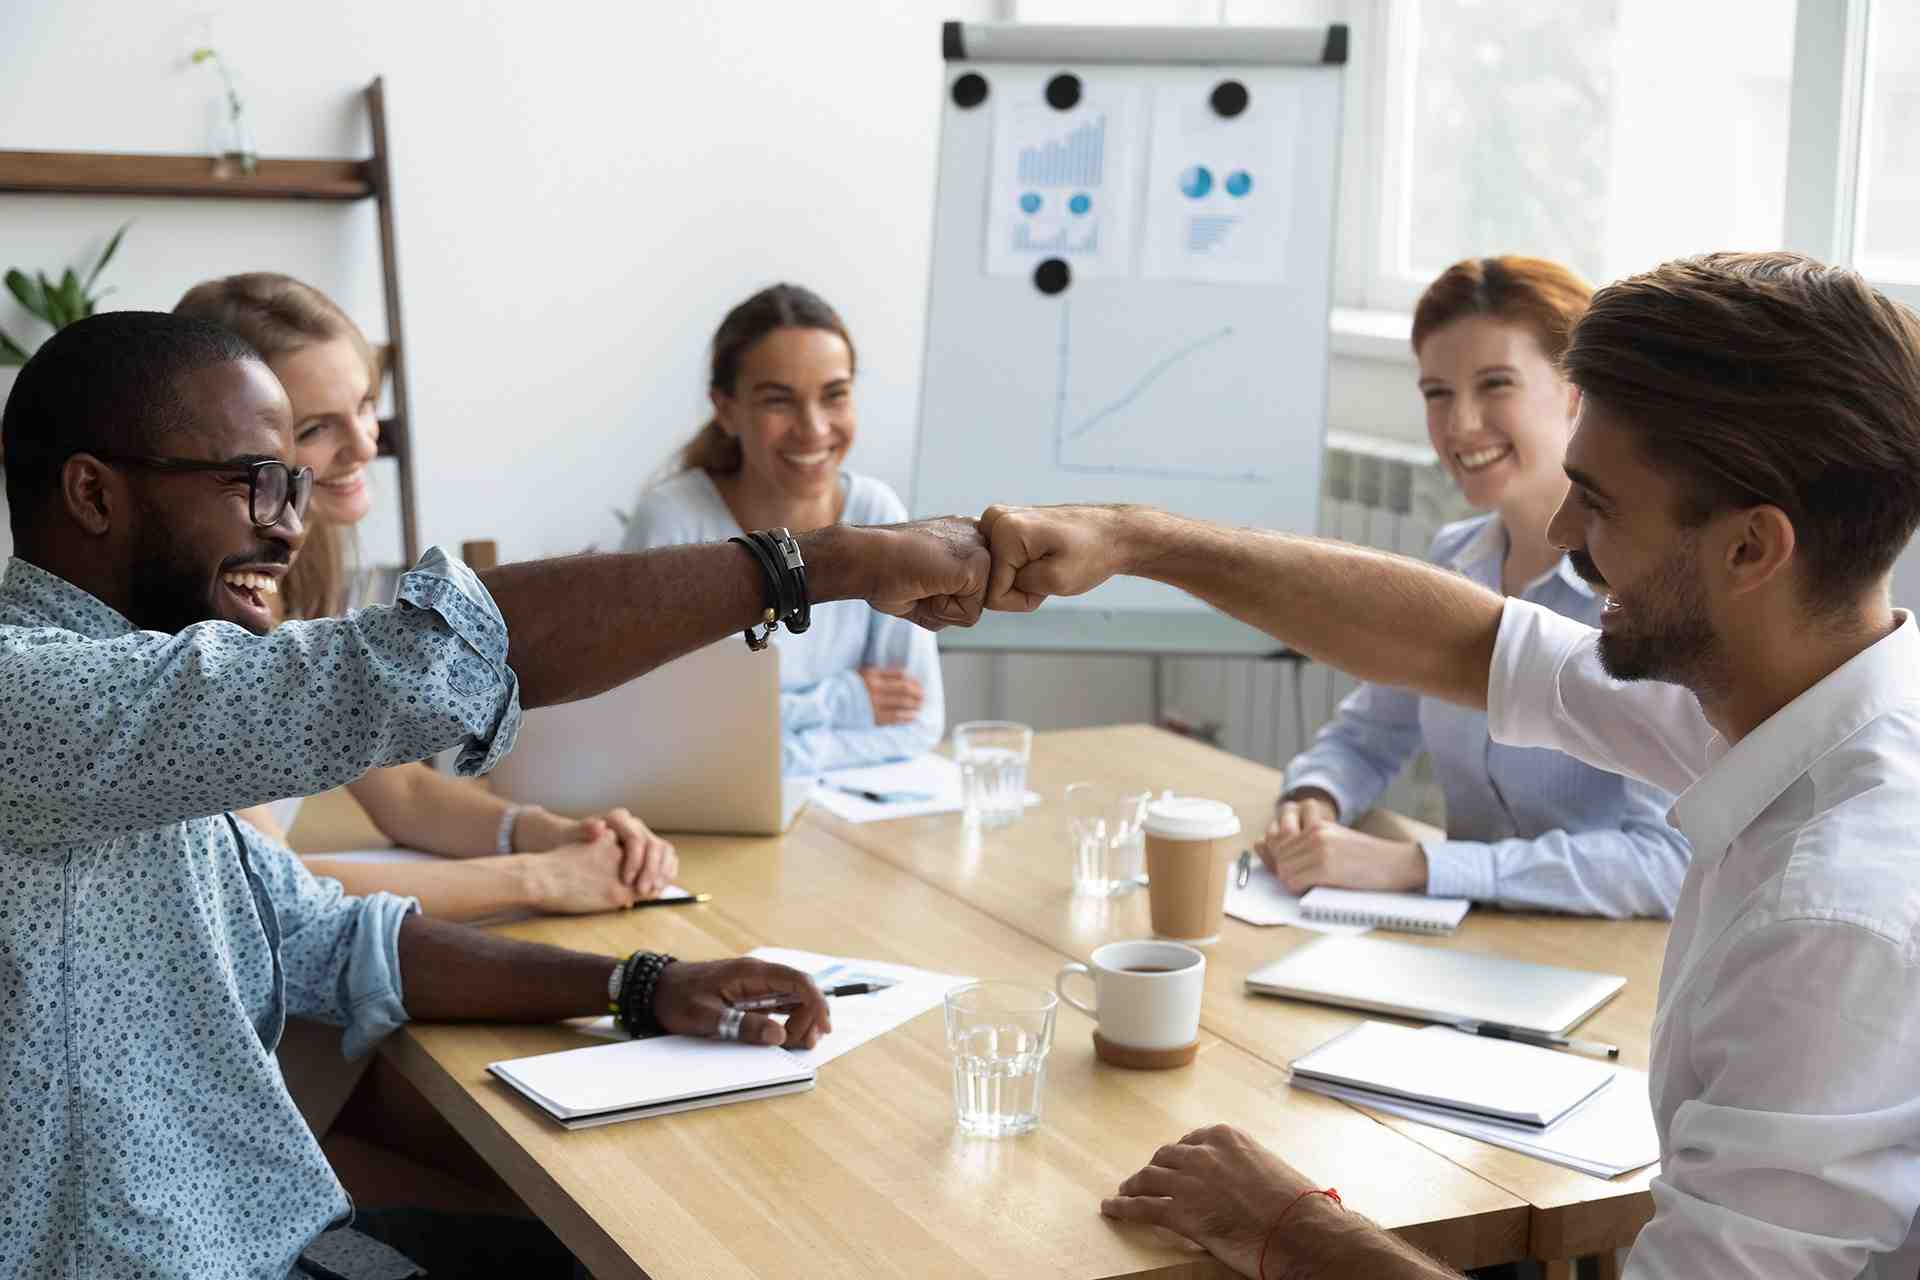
x: 152, y: 947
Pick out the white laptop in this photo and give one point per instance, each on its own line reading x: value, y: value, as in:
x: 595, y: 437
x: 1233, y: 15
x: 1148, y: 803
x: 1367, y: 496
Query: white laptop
x: 1436, y: 984
x: 693, y: 746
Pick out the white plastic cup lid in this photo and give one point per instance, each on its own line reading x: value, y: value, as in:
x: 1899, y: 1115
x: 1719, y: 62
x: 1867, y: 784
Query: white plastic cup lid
x: 1191, y: 818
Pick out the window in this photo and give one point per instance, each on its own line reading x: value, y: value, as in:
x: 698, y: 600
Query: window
x: 1887, y: 243
x: 1608, y: 134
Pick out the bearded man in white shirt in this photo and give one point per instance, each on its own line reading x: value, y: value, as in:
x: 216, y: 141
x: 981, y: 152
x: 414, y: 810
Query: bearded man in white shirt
x: 1744, y: 472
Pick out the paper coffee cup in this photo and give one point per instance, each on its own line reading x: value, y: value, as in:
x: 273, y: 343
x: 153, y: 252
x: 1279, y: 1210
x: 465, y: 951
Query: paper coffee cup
x: 1189, y: 843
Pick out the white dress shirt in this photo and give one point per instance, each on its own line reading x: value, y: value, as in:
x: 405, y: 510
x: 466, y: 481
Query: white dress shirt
x: 1786, y: 1044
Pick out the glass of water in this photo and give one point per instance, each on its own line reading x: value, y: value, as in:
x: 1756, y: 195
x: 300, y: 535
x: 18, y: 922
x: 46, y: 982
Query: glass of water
x: 999, y: 1033
x: 992, y: 755
x: 1103, y: 829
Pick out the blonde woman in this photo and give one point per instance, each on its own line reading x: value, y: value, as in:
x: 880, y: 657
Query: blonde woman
x: 496, y: 856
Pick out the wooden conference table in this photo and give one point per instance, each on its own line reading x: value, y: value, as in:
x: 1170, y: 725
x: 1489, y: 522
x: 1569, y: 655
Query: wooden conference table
x: 866, y: 1175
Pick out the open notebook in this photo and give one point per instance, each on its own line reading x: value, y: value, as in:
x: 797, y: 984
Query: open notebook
x: 606, y: 1083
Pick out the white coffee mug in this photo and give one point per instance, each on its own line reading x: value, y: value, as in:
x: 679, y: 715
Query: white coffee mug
x: 1146, y: 994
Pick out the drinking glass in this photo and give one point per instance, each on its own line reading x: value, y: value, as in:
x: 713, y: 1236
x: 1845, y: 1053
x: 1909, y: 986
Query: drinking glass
x: 1103, y: 828
x: 999, y: 1033
x: 992, y: 755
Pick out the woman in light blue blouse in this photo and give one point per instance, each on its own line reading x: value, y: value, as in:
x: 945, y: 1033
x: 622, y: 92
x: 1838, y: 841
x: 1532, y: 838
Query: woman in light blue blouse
x: 858, y: 687
x: 1526, y: 828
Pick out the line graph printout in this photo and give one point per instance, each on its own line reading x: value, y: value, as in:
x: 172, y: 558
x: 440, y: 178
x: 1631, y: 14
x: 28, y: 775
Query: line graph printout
x: 1219, y: 192
x: 1137, y: 411
x: 1063, y: 186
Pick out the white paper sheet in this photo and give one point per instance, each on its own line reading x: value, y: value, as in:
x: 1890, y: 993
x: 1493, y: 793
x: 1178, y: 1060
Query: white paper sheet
x: 1611, y: 1134
x: 924, y: 785
x: 1219, y: 192
x: 856, y: 1019
x: 1062, y: 186
x: 1264, y: 902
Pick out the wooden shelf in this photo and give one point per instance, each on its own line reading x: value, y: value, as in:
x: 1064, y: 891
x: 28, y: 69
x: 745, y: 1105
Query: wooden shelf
x: 101, y: 173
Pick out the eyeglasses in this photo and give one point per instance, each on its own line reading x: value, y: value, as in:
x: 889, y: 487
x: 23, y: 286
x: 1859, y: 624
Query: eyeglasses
x: 273, y: 488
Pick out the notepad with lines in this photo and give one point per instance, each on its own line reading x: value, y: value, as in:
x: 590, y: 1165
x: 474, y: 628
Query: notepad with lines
x: 1407, y: 912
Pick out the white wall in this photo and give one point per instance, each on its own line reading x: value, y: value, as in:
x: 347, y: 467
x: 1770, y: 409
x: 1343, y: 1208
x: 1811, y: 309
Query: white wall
x: 582, y: 191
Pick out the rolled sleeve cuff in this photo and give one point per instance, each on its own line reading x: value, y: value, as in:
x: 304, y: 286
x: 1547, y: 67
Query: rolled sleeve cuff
x: 488, y: 688
x: 1324, y: 778
x: 373, y: 1000
x: 1523, y: 682
x: 1460, y: 869
x: 848, y: 702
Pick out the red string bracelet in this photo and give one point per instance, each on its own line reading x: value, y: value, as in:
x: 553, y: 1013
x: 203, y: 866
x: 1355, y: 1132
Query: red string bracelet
x: 1260, y: 1272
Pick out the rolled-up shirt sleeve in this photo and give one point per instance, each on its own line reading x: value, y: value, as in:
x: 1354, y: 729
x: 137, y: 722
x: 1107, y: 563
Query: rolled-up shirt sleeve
x: 340, y: 954
x: 1546, y: 688
x: 145, y: 729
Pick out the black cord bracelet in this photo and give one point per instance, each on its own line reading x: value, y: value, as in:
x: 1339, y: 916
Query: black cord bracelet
x: 637, y: 988
x: 770, y: 618
x: 788, y: 603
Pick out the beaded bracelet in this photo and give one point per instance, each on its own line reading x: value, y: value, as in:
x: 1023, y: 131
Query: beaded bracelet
x: 1260, y: 1270
x: 642, y: 976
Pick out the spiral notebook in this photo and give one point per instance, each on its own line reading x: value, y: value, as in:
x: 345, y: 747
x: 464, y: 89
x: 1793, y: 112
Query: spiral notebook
x: 1407, y: 912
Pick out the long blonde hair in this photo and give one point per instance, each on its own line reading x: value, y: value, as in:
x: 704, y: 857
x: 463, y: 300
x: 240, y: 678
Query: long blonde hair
x: 778, y: 306
x: 278, y: 315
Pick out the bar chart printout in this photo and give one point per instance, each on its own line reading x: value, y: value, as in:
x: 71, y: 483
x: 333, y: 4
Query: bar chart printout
x: 1061, y: 186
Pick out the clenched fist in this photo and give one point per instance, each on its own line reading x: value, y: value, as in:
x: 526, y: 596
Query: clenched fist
x: 1053, y: 551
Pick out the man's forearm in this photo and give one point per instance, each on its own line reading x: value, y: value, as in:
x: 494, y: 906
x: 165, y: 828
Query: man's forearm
x: 582, y: 624
x: 453, y: 973
x: 1322, y: 1241
x: 1380, y: 617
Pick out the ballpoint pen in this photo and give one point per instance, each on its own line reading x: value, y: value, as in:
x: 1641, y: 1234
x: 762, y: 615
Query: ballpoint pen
x: 1243, y: 869
x: 884, y: 797
x: 1501, y: 1031
x: 790, y: 1002
x: 678, y: 900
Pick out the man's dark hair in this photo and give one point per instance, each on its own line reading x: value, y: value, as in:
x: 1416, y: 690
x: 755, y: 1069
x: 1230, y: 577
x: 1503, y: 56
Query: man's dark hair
x: 109, y: 383
x: 1769, y: 378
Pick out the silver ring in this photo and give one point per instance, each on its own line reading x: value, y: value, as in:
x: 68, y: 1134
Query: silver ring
x: 730, y: 1021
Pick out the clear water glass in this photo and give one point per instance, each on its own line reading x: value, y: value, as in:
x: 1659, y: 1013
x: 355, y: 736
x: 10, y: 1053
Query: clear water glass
x: 1104, y: 832
x: 999, y: 1033
x: 992, y: 755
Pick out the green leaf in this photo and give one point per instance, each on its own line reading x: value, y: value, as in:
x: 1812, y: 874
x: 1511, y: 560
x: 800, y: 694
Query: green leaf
x: 11, y: 352
x: 106, y: 256
x: 56, y: 310
x: 203, y: 55
x: 73, y: 299
x: 30, y: 295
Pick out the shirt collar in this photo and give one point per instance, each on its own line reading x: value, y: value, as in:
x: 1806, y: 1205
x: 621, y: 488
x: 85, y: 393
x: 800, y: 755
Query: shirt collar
x: 1487, y: 550
x: 30, y: 596
x: 1751, y: 774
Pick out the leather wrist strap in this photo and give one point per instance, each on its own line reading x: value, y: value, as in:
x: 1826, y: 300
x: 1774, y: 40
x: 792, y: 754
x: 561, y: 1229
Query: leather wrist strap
x: 778, y: 555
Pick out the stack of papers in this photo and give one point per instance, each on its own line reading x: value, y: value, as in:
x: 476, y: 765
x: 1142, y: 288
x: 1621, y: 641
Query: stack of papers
x: 1556, y: 1107
x: 856, y: 1019
x: 905, y: 789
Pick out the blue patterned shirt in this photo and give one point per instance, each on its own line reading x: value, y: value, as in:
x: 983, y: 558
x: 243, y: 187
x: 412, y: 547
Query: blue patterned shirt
x: 1526, y: 827
x: 149, y: 962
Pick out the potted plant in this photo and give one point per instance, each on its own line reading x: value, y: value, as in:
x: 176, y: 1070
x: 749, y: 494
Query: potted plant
x: 56, y: 304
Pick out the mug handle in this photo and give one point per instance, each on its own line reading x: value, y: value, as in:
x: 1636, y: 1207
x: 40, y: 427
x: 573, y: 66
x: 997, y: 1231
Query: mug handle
x: 1060, y: 985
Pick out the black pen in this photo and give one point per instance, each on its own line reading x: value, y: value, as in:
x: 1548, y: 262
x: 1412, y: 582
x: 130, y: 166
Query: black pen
x: 679, y: 900
x: 883, y: 797
x: 1520, y: 1035
x: 791, y: 1002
